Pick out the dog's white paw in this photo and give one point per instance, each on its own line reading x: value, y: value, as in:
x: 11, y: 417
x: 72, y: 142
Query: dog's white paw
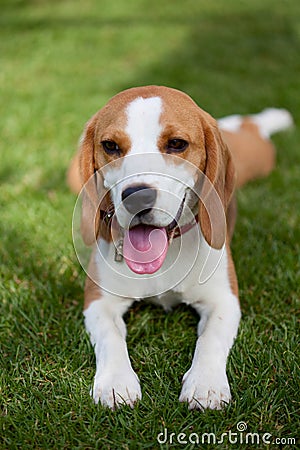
x: 208, y: 390
x: 116, y: 389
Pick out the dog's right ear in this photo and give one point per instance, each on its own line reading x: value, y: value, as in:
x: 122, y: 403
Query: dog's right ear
x: 94, y: 198
x: 218, y: 186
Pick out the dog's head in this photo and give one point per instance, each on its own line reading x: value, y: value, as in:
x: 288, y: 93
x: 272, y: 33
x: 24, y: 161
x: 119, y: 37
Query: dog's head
x: 142, y: 157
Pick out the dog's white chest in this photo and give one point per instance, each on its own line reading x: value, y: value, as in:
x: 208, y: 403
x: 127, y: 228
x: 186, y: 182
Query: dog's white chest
x: 189, y: 265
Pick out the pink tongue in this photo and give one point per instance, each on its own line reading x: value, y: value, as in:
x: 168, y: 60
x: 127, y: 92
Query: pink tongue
x: 145, y: 248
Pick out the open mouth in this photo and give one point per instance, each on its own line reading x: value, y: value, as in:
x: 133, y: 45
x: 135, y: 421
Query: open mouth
x: 145, y: 246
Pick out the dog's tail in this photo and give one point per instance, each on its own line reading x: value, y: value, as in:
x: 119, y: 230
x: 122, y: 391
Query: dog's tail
x: 248, y: 138
x: 269, y: 121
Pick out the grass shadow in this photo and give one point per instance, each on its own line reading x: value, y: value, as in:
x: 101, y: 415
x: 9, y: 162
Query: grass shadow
x: 226, y: 57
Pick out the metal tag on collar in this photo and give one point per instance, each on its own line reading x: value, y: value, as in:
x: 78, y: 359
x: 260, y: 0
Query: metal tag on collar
x: 119, y: 251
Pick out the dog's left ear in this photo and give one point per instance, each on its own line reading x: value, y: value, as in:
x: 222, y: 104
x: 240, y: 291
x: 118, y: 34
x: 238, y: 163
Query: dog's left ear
x: 218, y: 186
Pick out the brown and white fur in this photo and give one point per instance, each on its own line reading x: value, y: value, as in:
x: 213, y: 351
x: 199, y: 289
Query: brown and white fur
x: 137, y: 124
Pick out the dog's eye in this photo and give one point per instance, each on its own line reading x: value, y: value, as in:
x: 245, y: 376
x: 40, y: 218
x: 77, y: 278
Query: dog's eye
x: 177, y: 145
x: 111, y: 147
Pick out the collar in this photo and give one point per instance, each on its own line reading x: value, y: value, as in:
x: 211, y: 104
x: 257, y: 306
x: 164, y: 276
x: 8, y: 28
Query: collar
x: 179, y: 231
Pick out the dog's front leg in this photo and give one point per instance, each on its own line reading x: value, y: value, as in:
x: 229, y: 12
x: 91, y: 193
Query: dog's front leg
x: 115, y: 381
x: 205, y: 385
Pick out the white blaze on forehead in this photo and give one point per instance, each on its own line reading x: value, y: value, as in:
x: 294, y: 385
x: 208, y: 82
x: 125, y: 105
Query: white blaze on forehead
x: 143, y: 126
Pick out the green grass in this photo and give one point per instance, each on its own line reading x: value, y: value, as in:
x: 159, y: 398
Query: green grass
x: 60, y: 62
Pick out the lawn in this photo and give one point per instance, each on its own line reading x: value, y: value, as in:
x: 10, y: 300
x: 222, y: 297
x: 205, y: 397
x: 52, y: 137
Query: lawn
x: 60, y: 62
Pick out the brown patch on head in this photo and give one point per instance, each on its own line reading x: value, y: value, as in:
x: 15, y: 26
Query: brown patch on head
x: 109, y: 125
x: 181, y: 118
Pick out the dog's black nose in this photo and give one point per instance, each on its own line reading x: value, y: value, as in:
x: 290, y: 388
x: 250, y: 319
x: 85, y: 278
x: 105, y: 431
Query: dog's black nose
x: 139, y: 200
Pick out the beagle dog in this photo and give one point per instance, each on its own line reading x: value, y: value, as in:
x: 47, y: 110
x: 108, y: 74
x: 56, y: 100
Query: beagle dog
x: 157, y: 176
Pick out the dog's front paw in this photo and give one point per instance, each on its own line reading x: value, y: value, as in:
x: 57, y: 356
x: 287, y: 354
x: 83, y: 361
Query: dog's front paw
x: 116, y: 389
x: 205, y: 391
